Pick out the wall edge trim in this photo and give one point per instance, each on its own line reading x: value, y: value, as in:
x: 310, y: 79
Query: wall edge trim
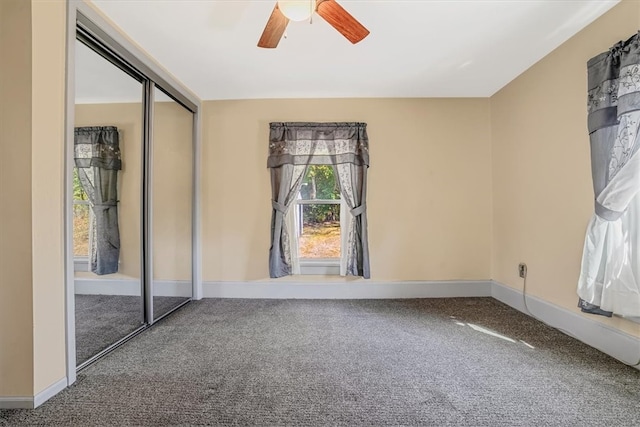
x: 32, y: 402
x: 348, y: 289
x: 613, y: 342
x: 49, y: 392
x: 16, y: 402
x: 131, y: 287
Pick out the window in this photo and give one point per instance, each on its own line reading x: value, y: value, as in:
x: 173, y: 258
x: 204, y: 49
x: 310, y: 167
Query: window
x: 82, y: 218
x: 308, y: 152
x: 318, y: 222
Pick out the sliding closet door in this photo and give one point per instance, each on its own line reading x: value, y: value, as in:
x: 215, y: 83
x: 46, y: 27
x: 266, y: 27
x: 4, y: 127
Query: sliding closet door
x: 171, y: 204
x: 107, y: 168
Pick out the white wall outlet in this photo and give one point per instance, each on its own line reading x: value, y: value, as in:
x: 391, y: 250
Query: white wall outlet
x: 522, y: 270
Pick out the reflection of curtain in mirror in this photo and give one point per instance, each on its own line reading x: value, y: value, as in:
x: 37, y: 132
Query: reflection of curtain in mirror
x: 97, y: 157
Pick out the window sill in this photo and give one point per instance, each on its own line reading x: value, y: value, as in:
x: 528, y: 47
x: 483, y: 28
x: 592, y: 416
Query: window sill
x: 320, y: 266
x: 81, y: 263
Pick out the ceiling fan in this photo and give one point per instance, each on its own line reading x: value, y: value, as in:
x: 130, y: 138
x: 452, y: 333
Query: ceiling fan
x: 299, y: 10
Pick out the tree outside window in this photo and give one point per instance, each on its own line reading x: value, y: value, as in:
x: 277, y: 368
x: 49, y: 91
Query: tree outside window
x: 81, y: 219
x: 318, y: 209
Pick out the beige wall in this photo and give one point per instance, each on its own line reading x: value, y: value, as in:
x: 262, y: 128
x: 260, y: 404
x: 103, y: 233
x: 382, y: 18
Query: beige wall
x: 48, y: 130
x: 542, y: 189
x: 429, y: 208
x: 16, y: 296
x: 128, y: 119
x: 32, y: 333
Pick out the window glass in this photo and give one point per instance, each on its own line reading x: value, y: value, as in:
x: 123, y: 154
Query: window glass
x: 81, y: 219
x: 319, y: 184
x: 320, y: 233
x: 318, y: 214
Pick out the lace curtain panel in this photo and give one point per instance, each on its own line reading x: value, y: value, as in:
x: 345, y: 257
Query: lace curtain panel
x: 610, y: 274
x: 295, y: 146
x: 98, y: 160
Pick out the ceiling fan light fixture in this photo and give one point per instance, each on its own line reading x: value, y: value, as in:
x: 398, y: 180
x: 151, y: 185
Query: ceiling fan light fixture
x: 296, y: 10
x: 299, y: 10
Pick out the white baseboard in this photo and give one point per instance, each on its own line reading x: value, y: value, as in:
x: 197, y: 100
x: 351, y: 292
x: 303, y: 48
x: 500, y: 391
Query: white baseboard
x: 611, y: 341
x: 131, y: 287
x: 90, y: 286
x: 49, y: 392
x: 20, y: 402
x: 356, y: 289
x: 172, y: 288
x: 17, y: 402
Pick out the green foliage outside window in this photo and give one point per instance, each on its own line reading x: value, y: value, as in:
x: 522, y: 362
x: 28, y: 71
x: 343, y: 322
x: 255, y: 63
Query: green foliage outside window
x: 81, y: 218
x: 320, y: 184
x: 78, y: 192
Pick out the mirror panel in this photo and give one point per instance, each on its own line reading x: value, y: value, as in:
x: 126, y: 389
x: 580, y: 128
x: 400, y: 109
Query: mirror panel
x: 171, y: 206
x: 109, y: 303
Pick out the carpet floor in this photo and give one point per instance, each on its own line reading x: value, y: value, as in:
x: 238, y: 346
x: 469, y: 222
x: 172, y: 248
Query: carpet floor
x: 426, y: 362
x: 101, y: 320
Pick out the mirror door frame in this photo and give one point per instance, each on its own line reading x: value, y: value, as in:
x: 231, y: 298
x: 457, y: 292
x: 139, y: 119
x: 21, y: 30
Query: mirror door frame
x: 85, y: 16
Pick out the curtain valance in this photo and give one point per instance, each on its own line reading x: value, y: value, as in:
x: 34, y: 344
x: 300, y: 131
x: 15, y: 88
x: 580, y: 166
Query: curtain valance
x: 97, y: 146
x: 297, y: 143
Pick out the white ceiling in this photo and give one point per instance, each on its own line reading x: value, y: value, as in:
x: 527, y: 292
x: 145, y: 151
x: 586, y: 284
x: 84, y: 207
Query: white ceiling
x: 419, y: 48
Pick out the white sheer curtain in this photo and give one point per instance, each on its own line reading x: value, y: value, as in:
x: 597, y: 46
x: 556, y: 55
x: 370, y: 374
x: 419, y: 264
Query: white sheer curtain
x: 292, y: 221
x: 345, y: 223
x: 610, y: 275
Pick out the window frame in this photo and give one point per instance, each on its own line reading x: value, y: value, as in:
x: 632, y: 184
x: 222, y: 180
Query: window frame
x: 324, y: 266
x: 81, y: 262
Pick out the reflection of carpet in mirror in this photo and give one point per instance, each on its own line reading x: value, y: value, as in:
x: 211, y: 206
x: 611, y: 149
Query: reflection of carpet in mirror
x: 102, y: 320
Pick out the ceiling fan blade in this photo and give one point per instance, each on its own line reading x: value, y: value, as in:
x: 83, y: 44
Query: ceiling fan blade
x: 341, y: 20
x: 274, y: 29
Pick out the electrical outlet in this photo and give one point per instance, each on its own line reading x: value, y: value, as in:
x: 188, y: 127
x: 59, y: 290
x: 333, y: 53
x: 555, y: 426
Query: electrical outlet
x: 522, y: 270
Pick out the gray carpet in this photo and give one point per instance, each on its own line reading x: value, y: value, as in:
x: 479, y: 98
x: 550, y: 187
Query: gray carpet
x: 345, y: 363
x: 101, y: 320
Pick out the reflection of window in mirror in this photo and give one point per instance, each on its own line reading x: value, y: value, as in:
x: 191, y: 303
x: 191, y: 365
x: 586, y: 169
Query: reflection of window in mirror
x: 107, y: 200
x: 82, y: 219
x: 106, y: 211
x: 97, y: 162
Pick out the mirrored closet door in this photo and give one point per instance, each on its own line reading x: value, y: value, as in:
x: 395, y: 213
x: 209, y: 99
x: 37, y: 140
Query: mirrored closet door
x: 171, y: 152
x: 107, y: 200
x: 133, y: 192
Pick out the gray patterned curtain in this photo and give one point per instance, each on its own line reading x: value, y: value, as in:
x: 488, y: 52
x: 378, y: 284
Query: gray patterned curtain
x: 610, y: 274
x: 97, y: 158
x: 295, y: 146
